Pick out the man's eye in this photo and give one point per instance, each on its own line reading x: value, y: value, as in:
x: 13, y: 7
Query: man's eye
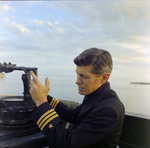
x: 83, y: 76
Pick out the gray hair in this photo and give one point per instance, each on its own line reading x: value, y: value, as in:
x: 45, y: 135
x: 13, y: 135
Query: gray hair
x: 99, y: 58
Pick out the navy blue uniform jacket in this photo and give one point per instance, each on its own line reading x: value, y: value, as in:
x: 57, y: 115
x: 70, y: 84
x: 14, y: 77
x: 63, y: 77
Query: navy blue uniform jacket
x: 99, y: 120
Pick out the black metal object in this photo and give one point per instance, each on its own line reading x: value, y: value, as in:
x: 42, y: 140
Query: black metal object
x: 16, y: 111
x: 135, y: 132
x: 36, y: 140
x: 25, y: 77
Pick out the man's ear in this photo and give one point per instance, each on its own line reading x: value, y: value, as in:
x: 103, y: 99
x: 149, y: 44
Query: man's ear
x: 105, y: 77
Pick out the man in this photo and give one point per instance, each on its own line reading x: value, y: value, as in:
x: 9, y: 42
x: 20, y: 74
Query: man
x: 98, y: 120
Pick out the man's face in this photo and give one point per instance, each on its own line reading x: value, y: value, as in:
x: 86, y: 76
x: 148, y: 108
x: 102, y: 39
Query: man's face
x: 87, y: 82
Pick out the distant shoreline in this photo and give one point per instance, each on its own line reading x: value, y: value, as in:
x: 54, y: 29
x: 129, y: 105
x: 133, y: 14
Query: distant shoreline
x: 2, y: 75
x: 141, y: 83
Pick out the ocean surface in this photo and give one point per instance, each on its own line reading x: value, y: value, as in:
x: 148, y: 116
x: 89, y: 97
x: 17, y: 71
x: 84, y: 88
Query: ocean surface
x: 135, y: 97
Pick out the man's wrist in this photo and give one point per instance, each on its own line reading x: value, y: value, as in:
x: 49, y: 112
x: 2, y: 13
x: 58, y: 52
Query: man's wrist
x: 38, y: 103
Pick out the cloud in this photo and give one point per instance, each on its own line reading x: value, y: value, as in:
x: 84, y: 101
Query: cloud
x: 38, y: 21
x: 121, y: 60
x: 141, y: 39
x: 50, y: 24
x: 130, y: 46
x: 141, y: 59
x: 119, y: 20
x: 56, y: 26
x: 5, y: 19
x: 17, y: 28
x: 4, y: 8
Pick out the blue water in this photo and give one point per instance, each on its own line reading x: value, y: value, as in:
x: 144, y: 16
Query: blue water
x: 136, y: 98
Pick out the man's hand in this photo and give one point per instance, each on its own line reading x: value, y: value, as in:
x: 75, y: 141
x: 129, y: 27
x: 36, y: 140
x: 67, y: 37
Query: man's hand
x: 38, y: 91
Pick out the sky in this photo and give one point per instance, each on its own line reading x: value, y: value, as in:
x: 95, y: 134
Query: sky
x: 50, y: 34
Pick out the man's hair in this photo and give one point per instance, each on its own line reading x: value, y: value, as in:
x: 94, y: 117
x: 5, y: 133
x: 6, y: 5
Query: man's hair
x: 99, y: 58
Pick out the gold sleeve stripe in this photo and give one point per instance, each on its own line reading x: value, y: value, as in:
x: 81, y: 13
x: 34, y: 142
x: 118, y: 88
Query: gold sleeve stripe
x: 45, y: 114
x: 44, y: 119
x: 50, y: 119
x: 54, y: 103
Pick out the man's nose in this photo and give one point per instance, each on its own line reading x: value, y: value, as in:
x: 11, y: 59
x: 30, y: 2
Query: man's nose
x: 79, y: 81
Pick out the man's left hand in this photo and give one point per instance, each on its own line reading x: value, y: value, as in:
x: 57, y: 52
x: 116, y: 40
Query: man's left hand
x: 38, y: 91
